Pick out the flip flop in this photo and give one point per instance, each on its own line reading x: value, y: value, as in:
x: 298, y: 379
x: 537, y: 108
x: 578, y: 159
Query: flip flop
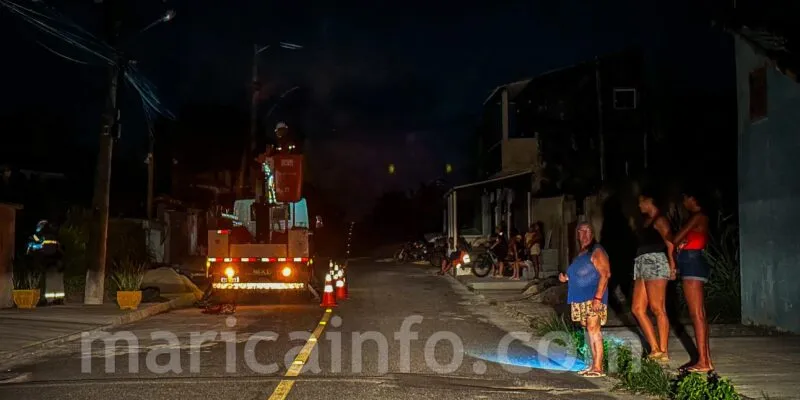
x: 584, y: 371
x: 593, y: 374
x: 659, y: 357
x: 694, y: 370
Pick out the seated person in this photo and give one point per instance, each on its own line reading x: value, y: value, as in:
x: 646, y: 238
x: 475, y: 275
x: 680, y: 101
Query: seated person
x: 453, y: 256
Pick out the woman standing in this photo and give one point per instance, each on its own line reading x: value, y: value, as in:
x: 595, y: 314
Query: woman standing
x: 500, y: 249
x: 519, y: 254
x: 691, y: 241
x: 587, y: 294
x: 533, y: 243
x: 653, y: 267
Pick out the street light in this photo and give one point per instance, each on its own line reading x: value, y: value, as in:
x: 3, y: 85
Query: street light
x: 168, y: 16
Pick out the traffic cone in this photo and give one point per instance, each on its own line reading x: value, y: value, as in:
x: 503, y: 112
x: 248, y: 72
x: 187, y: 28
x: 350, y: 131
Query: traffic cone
x: 341, y: 292
x: 328, y: 297
x: 344, y: 284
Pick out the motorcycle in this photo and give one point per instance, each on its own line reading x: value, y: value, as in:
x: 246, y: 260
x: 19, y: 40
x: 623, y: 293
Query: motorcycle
x: 411, y: 252
x: 438, y: 250
x: 485, y: 263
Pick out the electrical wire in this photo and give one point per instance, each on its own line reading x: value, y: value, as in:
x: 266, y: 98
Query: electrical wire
x: 47, y: 20
x: 43, y: 25
x: 61, y: 55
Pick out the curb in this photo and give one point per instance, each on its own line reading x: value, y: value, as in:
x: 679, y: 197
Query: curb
x: 508, y: 309
x: 184, y: 300
x: 531, y: 320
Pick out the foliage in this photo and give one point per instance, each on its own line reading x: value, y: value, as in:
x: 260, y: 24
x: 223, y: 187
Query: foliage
x: 27, y: 279
x: 712, y: 387
x: 74, y: 236
x: 555, y: 323
x: 74, y: 286
x: 643, y: 376
x: 648, y: 377
x: 125, y: 241
x: 722, y: 254
x: 128, y: 275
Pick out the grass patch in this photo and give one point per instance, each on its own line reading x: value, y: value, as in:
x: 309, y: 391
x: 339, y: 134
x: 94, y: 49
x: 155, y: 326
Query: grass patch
x: 637, y: 374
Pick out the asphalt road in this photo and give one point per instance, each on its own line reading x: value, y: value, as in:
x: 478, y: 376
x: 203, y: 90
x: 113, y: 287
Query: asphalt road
x: 451, y: 349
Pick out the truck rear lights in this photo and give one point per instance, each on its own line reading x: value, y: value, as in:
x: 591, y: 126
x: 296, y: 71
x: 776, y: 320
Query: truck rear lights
x: 286, y: 271
x: 262, y: 259
x: 258, y: 286
x: 230, y: 272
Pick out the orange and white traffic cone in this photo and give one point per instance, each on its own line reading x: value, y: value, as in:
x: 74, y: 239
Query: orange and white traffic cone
x: 344, y: 284
x: 328, y: 297
x: 341, y: 292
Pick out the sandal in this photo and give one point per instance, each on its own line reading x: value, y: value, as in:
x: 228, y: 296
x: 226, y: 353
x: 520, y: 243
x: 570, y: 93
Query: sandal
x: 593, y: 374
x: 584, y: 371
x: 693, y: 370
x: 659, y: 357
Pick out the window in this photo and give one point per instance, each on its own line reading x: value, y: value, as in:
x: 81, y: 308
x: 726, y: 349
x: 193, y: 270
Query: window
x: 624, y: 98
x: 758, y: 94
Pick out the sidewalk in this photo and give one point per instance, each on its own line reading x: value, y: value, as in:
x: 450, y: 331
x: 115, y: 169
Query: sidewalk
x: 27, y: 331
x: 757, y: 364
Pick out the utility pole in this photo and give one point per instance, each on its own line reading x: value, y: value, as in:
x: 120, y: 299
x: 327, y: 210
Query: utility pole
x: 151, y: 174
x: 256, y: 89
x: 95, y: 273
x: 600, y: 119
x: 243, y: 167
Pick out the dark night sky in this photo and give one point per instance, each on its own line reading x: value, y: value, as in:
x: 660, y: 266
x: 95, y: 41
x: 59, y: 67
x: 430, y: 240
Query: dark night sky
x: 414, y: 72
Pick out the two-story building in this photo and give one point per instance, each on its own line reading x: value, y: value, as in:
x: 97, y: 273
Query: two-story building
x: 562, y: 132
x: 768, y: 97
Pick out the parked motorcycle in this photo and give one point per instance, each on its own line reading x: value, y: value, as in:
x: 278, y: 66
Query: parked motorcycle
x: 411, y: 252
x: 485, y: 263
x: 439, y: 250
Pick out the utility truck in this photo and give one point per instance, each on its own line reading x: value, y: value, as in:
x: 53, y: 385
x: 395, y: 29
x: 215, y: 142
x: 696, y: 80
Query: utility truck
x: 266, y: 243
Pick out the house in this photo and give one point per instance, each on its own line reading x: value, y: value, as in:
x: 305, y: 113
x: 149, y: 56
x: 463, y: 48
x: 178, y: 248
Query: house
x: 563, y: 132
x: 768, y: 97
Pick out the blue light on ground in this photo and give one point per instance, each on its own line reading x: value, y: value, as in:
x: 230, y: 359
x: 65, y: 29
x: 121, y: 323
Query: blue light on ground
x: 527, y: 358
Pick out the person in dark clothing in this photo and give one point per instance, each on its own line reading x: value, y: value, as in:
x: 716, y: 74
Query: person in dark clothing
x: 500, y: 249
x: 46, y: 251
x: 516, y: 253
x: 654, y: 267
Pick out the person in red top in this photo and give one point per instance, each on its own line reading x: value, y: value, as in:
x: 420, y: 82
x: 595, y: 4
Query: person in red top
x: 690, y: 243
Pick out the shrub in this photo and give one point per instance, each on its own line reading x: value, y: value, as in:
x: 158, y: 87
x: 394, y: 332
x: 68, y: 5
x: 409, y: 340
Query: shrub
x: 27, y: 279
x: 74, y: 237
x: 712, y: 387
x: 723, y: 291
x: 128, y: 275
x: 647, y: 377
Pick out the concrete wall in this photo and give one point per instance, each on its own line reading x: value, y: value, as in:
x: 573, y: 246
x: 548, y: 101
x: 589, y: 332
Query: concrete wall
x: 558, y: 215
x: 520, y: 154
x: 769, y: 194
x: 8, y: 215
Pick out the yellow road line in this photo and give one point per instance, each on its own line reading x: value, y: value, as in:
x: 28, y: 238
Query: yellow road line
x: 285, y: 385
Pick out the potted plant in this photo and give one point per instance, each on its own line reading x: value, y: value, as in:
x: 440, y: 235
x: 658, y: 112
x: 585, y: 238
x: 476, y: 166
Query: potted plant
x: 26, y: 291
x: 128, y: 280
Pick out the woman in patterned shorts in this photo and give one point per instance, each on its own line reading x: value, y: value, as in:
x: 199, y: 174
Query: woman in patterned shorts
x: 587, y: 294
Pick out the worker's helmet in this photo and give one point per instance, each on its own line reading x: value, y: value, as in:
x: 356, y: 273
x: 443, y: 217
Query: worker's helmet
x: 281, y: 125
